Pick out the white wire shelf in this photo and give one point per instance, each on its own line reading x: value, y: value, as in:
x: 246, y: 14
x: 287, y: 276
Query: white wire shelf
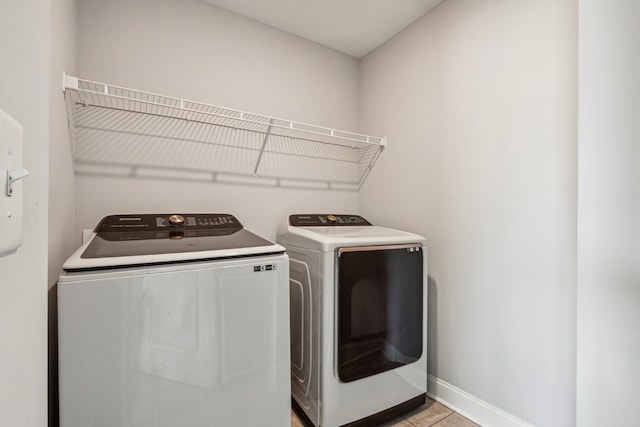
x: 125, y: 131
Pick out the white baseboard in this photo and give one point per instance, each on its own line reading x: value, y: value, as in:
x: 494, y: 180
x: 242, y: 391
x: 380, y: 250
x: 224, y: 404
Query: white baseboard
x: 477, y: 410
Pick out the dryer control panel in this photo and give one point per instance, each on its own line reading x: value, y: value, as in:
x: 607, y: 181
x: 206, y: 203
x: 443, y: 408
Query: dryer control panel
x: 327, y: 220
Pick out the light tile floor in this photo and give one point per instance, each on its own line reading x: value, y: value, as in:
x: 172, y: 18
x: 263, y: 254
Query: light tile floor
x: 431, y: 414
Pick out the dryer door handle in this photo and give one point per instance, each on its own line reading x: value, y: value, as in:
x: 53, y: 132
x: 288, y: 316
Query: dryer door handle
x: 413, y: 247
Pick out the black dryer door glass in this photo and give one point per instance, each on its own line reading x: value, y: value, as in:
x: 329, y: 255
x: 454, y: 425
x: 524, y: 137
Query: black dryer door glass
x: 380, y: 309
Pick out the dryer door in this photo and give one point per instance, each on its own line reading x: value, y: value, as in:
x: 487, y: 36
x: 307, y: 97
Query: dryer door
x: 379, y: 309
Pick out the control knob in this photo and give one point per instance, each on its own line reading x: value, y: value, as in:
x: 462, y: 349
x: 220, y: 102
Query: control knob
x: 176, y: 220
x: 331, y: 218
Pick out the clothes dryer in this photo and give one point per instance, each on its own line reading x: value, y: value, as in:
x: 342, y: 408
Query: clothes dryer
x: 358, y: 319
x: 174, y: 320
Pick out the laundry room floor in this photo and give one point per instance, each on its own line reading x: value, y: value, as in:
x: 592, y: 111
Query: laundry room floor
x: 431, y: 414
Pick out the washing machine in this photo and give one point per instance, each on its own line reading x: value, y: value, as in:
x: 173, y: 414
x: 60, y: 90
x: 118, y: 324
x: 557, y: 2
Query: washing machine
x: 358, y: 302
x: 174, y: 320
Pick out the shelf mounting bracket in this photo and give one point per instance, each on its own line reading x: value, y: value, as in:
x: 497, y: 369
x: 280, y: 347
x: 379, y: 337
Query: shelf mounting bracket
x: 264, y: 143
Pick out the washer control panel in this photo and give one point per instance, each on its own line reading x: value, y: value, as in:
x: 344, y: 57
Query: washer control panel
x: 173, y: 226
x: 327, y: 220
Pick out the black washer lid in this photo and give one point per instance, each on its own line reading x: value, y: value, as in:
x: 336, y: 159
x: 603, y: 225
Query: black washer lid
x: 121, y: 240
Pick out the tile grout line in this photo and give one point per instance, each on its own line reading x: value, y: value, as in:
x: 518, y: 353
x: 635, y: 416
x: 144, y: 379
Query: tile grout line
x: 434, y: 423
x: 407, y: 420
x: 443, y: 418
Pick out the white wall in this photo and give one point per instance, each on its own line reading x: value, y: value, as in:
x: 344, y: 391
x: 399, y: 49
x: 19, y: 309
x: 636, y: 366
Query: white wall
x: 478, y: 101
x: 609, y: 214
x: 64, y: 26
x: 24, y: 94
x: 63, y: 48
x: 192, y: 50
